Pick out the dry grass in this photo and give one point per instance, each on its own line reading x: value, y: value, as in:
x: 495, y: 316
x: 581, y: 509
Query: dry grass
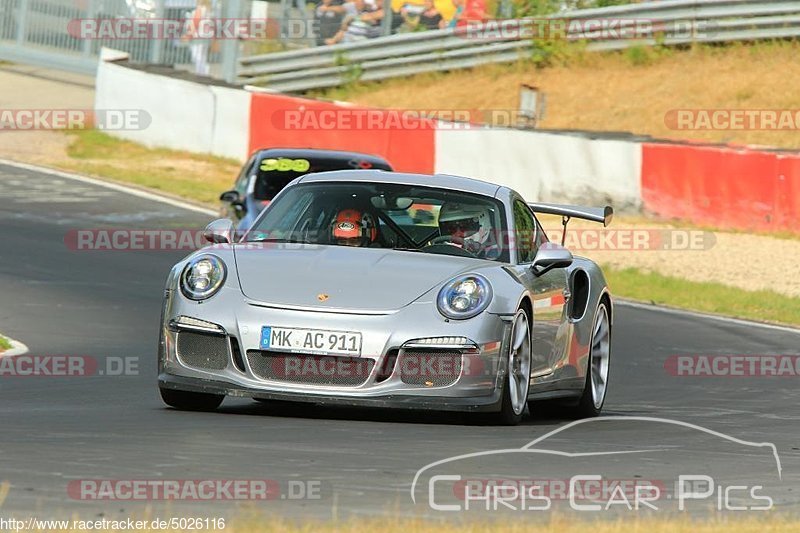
x: 190, y: 176
x: 620, y: 91
x: 540, y: 524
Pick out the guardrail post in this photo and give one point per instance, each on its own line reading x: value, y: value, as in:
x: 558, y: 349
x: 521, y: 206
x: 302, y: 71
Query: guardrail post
x: 156, y: 55
x: 284, y: 26
x: 386, y: 22
x: 22, y: 22
x: 91, y: 12
x: 230, y: 47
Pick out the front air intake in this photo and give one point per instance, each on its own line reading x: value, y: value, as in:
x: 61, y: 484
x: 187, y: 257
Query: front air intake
x: 310, y: 369
x: 431, y: 368
x: 199, y: 350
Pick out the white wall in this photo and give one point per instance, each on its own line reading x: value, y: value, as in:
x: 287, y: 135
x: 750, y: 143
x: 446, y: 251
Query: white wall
x: 545, y: 167
x: 185, y: 115
x: 231, y: 133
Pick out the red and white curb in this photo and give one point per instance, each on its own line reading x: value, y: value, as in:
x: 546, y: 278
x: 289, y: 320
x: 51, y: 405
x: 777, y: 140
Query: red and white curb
x: 17, y: 348
x: 553, y: 301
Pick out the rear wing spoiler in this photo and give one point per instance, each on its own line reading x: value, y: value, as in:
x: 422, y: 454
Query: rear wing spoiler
x: 595, y: 214
x: 566, y: 212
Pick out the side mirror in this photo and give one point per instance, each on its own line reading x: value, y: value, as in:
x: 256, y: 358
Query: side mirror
x: 220, y: 231
x: 230, y: 196
x: 549, y: 256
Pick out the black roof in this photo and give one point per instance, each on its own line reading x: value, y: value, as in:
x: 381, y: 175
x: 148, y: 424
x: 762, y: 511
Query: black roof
x: 313, y: 153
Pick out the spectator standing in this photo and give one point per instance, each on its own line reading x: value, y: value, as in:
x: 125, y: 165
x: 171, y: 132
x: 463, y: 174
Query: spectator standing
x: 199, y: 45
x: 457, y: 15
x: 467, y: 10
x: 329, y: 15
x: 430, y: 18
x: 362, y: 21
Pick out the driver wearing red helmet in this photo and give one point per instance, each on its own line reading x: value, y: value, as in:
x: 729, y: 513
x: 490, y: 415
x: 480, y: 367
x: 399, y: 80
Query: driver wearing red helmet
x: 351, y: 227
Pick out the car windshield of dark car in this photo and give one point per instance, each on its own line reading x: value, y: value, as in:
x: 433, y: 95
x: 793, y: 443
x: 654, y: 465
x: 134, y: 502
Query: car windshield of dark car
x: 275, y: 173
x: 379, y: 215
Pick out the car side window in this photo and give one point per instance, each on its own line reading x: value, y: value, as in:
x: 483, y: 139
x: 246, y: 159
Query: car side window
x: 241, y: 181
x: 524, y: 232
x: 541, y: 237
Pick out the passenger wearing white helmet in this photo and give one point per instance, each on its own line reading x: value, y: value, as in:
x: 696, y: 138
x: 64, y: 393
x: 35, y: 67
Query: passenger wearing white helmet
x: 470, y: 227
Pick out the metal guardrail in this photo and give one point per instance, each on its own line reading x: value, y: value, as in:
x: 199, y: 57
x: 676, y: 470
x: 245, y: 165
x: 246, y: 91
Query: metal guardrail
x: 669, y: 22
x: 46, y: 33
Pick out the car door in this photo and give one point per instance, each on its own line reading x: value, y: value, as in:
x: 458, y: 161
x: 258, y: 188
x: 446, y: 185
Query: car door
x: 547, y: 291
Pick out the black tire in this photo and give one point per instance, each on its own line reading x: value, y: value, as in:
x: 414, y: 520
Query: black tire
x: 190, y: 401
x: 586, y: 407
x: 506, y: 416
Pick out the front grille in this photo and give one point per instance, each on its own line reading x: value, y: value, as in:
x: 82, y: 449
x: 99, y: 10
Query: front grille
x: 204, y: 351
x: 310, y: 369
x: 432, y: 368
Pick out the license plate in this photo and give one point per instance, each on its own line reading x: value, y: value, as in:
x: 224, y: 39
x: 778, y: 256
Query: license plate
x: 314, y: 341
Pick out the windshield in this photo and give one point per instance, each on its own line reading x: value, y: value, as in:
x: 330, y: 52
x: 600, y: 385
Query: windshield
x: 422, y: 219
x: 275, y: 173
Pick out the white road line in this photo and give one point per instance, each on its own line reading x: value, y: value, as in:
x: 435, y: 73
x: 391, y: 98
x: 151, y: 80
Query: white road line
x: 675, y: 311
x: 114, y: 186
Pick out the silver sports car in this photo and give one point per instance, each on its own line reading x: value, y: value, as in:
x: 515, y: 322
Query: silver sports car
x: 389, y: 290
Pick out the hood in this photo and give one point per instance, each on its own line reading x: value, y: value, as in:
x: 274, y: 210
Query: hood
x: 356, y: 279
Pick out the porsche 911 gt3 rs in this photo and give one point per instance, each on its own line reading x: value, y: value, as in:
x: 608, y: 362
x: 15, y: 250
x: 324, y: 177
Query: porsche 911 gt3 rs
x: 389, y: 290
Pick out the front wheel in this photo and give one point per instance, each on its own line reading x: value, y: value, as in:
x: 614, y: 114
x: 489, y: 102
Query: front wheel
x: 191, y: 401
x: 594, y: 391
x: 518, y: 374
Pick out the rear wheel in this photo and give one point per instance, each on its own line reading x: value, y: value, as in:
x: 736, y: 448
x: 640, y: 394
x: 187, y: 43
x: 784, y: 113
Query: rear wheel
x: 518, y: 374
x: 191, y: 401
x: 594, y: 391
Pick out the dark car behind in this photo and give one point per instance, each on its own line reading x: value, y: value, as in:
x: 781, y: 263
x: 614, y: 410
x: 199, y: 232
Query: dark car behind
x: 270, y: 170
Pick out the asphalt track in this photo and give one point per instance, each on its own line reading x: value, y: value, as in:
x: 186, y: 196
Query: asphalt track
x: 54, y: 430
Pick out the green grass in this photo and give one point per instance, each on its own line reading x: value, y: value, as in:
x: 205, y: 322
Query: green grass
x: 4, y: 344
x: 200, y: 178
x: 714, y: 298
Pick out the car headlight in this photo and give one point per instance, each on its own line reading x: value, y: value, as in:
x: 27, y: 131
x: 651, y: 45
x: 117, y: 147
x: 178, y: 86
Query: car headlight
x: 464, y: 297
x: 203, y: 277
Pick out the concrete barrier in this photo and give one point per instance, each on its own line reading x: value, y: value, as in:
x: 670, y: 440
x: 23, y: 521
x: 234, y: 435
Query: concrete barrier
x: 545, y: 167
x: 722, y: 186
x: 184, y: 115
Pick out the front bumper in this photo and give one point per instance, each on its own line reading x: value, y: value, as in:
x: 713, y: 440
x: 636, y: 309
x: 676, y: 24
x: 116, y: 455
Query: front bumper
x: 476, y: 404
x: 476, y: 384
